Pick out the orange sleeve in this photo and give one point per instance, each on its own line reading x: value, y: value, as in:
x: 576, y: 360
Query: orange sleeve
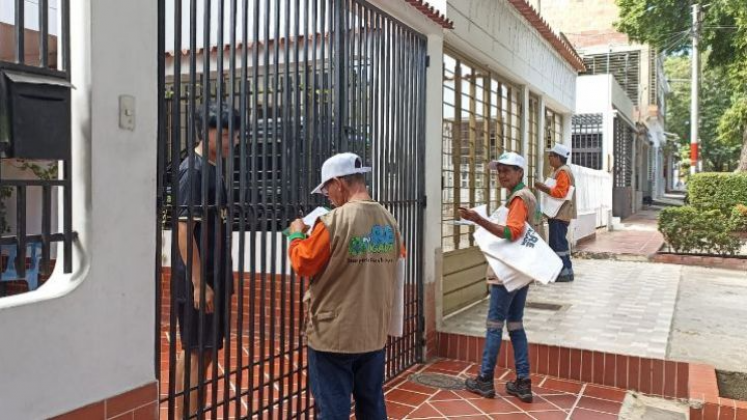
x: 309, y: 256
x: 517, y: 215
x: 562, y: 185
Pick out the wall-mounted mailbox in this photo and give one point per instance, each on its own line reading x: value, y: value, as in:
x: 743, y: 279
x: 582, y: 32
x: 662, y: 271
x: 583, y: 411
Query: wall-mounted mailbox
x: 34, y: 116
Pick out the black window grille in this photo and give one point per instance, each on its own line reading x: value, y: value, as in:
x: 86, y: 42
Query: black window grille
x: 37, y: 57
x: 587, y: 138
x: 623, y: 140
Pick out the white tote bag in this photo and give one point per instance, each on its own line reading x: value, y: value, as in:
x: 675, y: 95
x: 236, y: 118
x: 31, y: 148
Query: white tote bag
x: 529, y: 255
x: 551, y: 205
x: 397, y: 321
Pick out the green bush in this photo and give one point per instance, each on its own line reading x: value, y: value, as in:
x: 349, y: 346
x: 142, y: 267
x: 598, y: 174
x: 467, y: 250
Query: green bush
x: 691, y: 229
x: 720, y: 191
x: 739, y: 217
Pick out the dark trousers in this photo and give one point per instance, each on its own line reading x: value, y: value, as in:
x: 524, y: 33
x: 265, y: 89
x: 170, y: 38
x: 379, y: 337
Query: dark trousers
x: 559, y: 244
x: 335, y: 377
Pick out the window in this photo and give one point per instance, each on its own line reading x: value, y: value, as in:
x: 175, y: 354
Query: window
x: 35, y: 171
x: 533, y: 155
x: 553, y: 133
x: 482, y: 119
x: 623, y: 138
x: 587, y: 140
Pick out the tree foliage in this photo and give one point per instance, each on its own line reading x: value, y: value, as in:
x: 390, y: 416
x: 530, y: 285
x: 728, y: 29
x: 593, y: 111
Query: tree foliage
x: 665, y: 24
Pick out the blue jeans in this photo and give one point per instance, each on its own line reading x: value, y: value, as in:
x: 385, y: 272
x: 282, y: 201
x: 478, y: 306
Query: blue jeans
x: 506, y: 306
x: 559, y: 244
x: 335, y: 376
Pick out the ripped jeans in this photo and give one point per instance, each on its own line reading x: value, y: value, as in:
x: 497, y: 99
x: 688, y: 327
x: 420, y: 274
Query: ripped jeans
x: 506, y: 308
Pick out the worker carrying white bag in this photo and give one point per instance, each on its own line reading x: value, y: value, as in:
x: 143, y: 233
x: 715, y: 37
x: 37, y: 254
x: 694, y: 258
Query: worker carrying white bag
x: 513, y: 243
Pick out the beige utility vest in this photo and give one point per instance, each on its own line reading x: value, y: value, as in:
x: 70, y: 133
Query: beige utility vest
x: 530, y: 201
x: 349, y: 303
x: 567, y: 211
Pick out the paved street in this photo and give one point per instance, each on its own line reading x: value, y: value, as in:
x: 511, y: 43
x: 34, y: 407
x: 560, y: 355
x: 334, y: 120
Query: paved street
x: 709, y: 321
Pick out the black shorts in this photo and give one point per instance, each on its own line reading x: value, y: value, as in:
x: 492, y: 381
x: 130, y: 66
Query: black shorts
x: 210, y: 337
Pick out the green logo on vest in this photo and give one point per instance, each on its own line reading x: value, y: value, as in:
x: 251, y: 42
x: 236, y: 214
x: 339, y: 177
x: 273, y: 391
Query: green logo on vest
x: 379, y: 241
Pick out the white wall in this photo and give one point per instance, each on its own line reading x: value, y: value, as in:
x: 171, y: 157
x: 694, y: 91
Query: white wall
x: 593, y: 201
x: 494, y: 34
x: 88, y: 336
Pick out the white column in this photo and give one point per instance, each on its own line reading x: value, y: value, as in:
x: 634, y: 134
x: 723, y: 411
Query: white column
x: 525, y: 125
x: 568, y: 132
x: 89, y: 335
x: 542, y: 135
x: 433, y: 155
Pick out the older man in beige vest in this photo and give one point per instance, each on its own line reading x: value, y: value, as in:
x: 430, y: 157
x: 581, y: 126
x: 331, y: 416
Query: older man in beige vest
x: 563, y: 176
x: 351, y: 256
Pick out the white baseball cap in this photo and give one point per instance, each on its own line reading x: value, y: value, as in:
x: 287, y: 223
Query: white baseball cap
x: 561, y: 150
x: 509, y: 158
x: 341, y: 164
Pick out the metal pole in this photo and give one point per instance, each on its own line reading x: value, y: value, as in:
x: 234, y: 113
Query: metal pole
x: 695, y: 164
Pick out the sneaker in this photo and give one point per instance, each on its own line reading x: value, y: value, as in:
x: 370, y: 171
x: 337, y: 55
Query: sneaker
x: 480, y: 386
x: 521, y: 388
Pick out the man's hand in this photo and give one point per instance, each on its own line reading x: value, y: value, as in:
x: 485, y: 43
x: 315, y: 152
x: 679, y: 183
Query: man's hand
x: 209, y: 299
x: 469, y: 215
x: 541, y: 186
x: 298, y: 226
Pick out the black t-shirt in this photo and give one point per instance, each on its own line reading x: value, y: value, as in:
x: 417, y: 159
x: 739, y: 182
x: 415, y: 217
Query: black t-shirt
x: 209, y: 220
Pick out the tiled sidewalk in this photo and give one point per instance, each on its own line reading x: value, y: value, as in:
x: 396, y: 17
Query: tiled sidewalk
x: 613, y: 306
x: 636, y: 236
x: 554, y: 398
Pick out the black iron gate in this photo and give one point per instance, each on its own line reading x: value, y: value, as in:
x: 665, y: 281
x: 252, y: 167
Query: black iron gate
x: 308, y: 78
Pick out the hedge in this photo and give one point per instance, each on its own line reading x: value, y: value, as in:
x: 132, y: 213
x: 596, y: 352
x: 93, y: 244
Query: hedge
x: 691, y: 229
x: 721, y: 191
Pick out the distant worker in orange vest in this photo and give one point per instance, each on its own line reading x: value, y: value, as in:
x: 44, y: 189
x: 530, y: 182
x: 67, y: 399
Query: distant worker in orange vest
x: 564, y: 179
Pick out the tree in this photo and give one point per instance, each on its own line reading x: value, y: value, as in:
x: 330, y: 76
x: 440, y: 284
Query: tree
x: 716, y: 100
x: 663, y: 24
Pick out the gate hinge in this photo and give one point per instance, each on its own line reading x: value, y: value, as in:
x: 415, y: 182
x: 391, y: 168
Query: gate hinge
x: 427, y: 61
x: 424, y: 201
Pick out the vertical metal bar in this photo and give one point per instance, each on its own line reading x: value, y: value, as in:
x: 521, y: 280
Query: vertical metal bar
x: 287, y: 194
x: 160, y: 157
x: 265, y: 209
x: 220, y: 278
x: 456, y: 152
x: 365, y: 59
x: 274, y: 203
x: 377, y: 104
x: 204, y: 207
x: 192, y: 108
x: 20, y: 32
x: 173, y: 163
x: 404, y: 187
x: 307, y: 126
x: 243, y: 138
x: 44, y: 33
x: 66, y: 36
x: 230, y: 181
x: 21, y: 230
x: 254, y: 225
x: 332, y: 119
x: 46, y: 229
x: 297, y: 146
x: 421, y: 188
x: 387, y: 139
x: 67, y: 228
